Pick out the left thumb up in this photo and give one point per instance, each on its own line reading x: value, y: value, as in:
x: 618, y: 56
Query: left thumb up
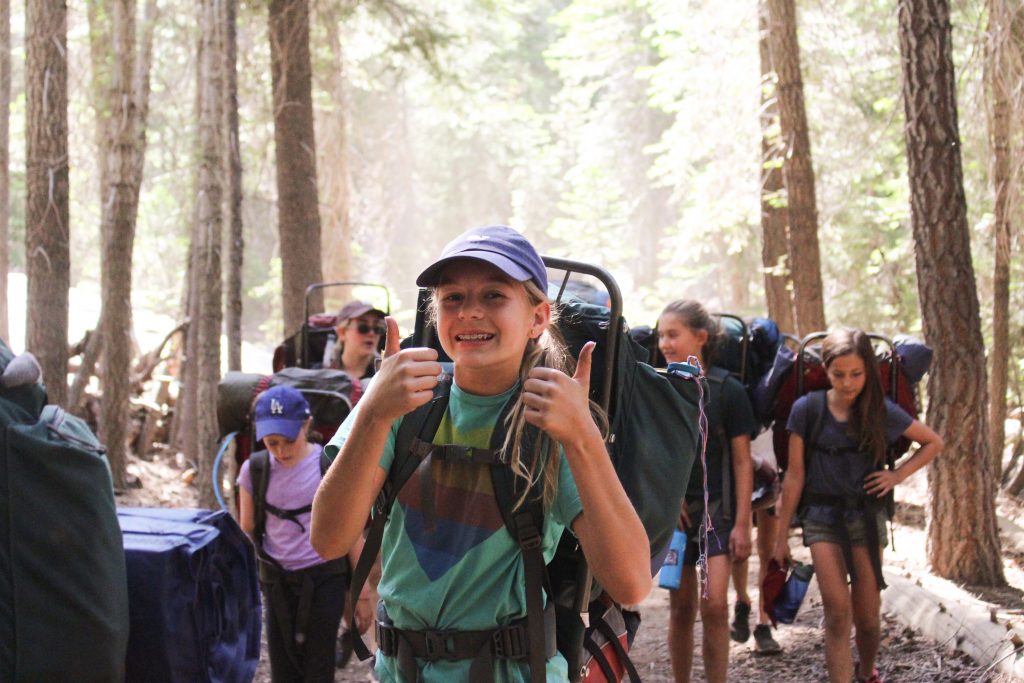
x: 582, y: 374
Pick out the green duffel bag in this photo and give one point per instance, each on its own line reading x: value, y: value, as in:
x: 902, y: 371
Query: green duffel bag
x: 63, y: 585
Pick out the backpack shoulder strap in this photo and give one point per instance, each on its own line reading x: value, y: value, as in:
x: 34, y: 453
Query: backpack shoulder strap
x: 526, y: 525
x: 717, y: 375
x: 325, y: 463
x: 817, y: 405
x: 259, y: 474
x: 412, y: 444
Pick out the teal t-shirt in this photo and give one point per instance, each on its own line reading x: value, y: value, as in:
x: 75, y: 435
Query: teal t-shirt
x: 453, y: 564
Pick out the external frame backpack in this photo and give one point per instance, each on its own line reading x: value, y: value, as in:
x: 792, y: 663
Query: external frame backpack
x: 652, y: 443
x: 795, y: 374
x: 747, y: 351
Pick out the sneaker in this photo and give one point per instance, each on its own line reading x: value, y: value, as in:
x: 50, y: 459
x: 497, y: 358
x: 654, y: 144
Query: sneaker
x: 740, y: 628
x: 764, y: 644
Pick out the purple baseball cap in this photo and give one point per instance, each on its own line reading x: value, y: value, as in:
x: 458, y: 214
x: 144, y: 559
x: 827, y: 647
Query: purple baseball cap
x: 280, y: 410
x: 504, y: 248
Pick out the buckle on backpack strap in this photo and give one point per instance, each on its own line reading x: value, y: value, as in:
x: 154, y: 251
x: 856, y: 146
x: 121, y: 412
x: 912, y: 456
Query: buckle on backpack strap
x: 511, y: 642
x: 387, y: 639
x: 527, y: 533
x: 437, y: 644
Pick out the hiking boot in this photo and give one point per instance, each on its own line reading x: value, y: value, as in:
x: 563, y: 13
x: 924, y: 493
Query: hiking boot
x: 740, y: 628
x: 764, y: 644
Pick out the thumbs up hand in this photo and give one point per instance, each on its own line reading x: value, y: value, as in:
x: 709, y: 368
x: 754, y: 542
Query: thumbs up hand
x: 560, y: 404
x: 405, y: 381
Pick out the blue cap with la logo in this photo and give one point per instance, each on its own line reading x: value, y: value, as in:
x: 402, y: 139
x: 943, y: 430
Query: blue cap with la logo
x: 280, y: 410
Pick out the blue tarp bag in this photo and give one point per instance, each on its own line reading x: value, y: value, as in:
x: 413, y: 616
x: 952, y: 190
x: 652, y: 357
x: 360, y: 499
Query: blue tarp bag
x: 193, y: 596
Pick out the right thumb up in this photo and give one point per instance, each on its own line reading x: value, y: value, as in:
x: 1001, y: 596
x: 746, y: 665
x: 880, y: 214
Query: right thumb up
x: 392, y: 342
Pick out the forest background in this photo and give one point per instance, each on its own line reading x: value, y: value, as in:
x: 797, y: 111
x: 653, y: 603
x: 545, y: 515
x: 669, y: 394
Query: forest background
x: 219, y: 155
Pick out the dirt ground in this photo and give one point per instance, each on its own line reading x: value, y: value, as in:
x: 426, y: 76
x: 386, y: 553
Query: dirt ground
x: 905, y: 657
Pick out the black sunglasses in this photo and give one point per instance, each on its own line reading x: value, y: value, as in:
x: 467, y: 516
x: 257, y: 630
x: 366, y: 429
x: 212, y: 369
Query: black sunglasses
x: 367, y: 328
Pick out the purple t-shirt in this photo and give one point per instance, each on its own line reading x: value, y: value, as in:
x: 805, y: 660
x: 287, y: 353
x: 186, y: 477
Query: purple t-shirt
x: 289, y: 488
x: 842, y: 473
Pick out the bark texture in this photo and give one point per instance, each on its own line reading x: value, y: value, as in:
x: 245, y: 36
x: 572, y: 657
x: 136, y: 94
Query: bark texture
x: 123, y: 74
x: 47, y: 204
x: 5, y: 178
x: 778, y: 285
x: 963, y: 538
x: 337, y: 181
x: 208, y: 253
x: 298, y: 219
x: 233, y: 195
x: 801, y: 201
x: 1002, y: 74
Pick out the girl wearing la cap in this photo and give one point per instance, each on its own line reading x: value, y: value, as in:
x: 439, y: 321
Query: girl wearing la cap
x: 455, y: 568
x: 304, y: 594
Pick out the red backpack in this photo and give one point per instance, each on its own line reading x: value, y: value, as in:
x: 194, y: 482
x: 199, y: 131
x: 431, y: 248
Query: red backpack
x: 806, y: 373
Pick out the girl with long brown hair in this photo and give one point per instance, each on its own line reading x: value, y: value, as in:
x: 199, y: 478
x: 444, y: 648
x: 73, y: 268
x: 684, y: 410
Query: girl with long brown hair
x: 837, y: 445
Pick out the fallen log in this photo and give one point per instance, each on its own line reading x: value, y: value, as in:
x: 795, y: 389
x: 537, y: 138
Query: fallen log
x: 944, y: 613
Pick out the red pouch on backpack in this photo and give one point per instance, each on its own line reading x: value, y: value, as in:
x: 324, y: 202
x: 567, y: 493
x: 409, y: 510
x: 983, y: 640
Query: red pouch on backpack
x: 607, y: 643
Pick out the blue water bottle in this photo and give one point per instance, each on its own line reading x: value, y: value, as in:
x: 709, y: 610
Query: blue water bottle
x: 672, y: 570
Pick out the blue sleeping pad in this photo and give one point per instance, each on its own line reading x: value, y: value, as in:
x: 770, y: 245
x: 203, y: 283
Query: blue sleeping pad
x: 193, y: 597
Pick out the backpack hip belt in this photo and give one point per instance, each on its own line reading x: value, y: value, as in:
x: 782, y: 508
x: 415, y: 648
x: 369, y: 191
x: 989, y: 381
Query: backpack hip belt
x: 275, y: 579
x: 271, y: 573
x: 505, y: 642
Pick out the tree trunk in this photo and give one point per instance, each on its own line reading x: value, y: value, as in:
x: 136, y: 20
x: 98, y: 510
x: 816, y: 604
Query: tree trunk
x: 5, y: 178
x: 804, y: 258
x: 90, y: 354
x: 964, y: 543
x: 778, y: 284
x: 47, y: 202
x: 123, y: 80
x: 183, y: 432
x: 298, y: 219
x: 337, y: 238
x: 233, y: 205
x: 208, y: 254
x: 1001, y: 76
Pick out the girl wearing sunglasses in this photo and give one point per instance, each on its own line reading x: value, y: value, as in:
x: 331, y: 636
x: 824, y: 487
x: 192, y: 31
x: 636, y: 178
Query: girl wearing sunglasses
x: 360, y: 327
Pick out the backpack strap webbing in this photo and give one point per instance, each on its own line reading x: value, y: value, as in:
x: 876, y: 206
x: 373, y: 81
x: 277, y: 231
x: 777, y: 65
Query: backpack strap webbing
x: 526, y: 524
x: 259, y: 474
x: 412, y: 444
x: 718, y: 376
x: 817, y: 406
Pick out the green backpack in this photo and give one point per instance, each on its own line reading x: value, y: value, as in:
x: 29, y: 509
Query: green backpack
x: 63, y: 584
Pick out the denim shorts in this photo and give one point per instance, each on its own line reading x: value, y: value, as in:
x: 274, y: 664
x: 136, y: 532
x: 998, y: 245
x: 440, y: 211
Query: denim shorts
x: 718, y: 537
x: 856, y: 527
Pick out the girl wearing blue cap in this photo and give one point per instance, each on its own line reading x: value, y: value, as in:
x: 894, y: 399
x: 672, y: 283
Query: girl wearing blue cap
x: 304, y: 594
x: 451, y: 570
